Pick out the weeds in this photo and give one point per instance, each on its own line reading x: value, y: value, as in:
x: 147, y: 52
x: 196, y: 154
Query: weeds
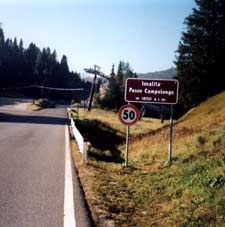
x: 42, y: 104
x: 188, y: 193
x: 201, y: 140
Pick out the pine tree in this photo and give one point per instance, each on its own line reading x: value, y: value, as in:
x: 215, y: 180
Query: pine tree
x: 113, y: 71
x: 21, y: 66
x: 119, y: 75
x: 114, y: 96
x: 64, y: 65
x: 30, y: 55
x: 2, y: 38
x: 2, y: 43
x: 200, y: 52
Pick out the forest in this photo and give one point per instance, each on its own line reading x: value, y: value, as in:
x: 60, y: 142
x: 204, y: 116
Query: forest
x: 201, y: 53
x: 23, y: 71
x: 199, y: 61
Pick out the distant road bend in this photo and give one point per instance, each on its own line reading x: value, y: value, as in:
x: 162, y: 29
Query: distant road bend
x: 37, y: 188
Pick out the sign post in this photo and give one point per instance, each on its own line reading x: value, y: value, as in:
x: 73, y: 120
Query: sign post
x: 127, y: 145
x: 171, y: 135
x: 155, y: 92
x: 128, y: 115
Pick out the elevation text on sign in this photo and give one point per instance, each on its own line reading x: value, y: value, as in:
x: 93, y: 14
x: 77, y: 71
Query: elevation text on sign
x: 151, y: 91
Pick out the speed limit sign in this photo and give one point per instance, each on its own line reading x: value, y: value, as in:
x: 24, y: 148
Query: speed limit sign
x: 128, y: 114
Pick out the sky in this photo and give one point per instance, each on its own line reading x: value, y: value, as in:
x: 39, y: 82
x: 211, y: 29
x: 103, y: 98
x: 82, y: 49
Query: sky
x: 144, y: 33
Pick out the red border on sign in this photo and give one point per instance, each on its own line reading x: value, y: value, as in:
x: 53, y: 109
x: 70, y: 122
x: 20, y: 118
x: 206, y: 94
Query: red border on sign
x: 132, y: 107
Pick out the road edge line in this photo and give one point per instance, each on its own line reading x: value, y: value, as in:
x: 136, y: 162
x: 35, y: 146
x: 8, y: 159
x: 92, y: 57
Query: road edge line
x: 69, y: 211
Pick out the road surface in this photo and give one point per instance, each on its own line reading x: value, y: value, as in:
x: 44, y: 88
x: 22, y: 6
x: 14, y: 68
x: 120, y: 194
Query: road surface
x: 32, y: 169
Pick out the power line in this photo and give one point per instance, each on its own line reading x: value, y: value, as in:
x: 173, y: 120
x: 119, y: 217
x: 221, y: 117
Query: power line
x: 16, y: 88
x: 58, y: 89
x: 42, y: 87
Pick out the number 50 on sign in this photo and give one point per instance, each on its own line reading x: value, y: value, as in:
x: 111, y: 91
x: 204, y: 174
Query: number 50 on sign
x: 128, y: 114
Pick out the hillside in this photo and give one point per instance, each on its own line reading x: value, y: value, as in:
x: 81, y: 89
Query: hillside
x: 165, y: 74
x: 188, y: 193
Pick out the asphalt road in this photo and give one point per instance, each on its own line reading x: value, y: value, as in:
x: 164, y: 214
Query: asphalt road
x: 32, y: 168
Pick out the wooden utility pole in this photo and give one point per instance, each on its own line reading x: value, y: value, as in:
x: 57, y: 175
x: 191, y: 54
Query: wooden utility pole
x: 95, y: 71
x: 92, y: 90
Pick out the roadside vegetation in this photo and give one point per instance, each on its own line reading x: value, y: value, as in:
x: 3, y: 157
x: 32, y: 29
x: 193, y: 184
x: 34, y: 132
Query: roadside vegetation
x: 189, y: 192
x: 41, y: 104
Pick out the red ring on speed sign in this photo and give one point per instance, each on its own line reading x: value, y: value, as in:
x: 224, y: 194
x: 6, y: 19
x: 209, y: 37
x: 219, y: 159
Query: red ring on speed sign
x: 128, y: 114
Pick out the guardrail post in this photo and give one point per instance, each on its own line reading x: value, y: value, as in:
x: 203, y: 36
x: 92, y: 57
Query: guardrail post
x: 84, y: 155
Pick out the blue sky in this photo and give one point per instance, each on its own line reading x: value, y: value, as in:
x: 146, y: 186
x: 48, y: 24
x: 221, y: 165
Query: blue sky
x: 144, y: 33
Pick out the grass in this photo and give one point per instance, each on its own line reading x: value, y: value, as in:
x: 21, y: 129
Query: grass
x: 111, y: 118
x: 189, y: 192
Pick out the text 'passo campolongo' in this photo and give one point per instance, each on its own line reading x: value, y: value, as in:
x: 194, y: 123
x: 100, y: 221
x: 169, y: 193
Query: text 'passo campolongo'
x: 150, y: 91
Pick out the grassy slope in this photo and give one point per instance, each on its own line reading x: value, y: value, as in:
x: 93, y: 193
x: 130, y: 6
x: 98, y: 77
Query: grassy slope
x: 190, y: 192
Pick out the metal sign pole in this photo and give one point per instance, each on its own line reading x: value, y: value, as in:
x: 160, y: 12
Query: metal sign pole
x: 128, y: 115
x: 127, y: 145
x: 171, y: 135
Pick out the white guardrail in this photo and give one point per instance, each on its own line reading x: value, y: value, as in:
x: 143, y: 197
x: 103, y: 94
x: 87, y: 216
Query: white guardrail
x: 82, y: 144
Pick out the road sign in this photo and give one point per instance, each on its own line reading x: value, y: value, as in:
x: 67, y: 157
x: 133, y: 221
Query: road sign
x: 151, y: 91
x: 128, y: 114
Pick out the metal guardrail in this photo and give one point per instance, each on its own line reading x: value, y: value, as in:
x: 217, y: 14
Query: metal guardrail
x: 81, y: 143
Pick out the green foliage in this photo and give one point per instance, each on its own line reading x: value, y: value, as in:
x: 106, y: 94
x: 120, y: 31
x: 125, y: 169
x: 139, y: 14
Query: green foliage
x: 2, y: 39
x: 114, y: 95
x: 188, y: 193
x: 103, y: 149
x: 21, y: 66
x: 200, y: 67
x: 42, y: 104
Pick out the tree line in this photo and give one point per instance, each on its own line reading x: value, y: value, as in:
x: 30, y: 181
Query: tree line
x: 112, y: 96
x: 199, y: 59
x: 201, y: 53
x: 199, y: 62
x: 20, y: 66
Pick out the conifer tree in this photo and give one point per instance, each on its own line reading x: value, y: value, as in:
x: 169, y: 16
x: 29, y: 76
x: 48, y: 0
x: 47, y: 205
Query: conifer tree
x: 64, y: 65
x: 2, y: 38
x: 2, y: 42
x: 21, y: 66
x: 200, y: 52
x: 114, y: 95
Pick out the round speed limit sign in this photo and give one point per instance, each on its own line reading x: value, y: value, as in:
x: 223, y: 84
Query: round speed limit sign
x: 128, y: 114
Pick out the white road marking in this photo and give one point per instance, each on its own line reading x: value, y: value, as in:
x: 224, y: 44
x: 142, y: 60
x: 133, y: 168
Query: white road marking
x: 69, y: 212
